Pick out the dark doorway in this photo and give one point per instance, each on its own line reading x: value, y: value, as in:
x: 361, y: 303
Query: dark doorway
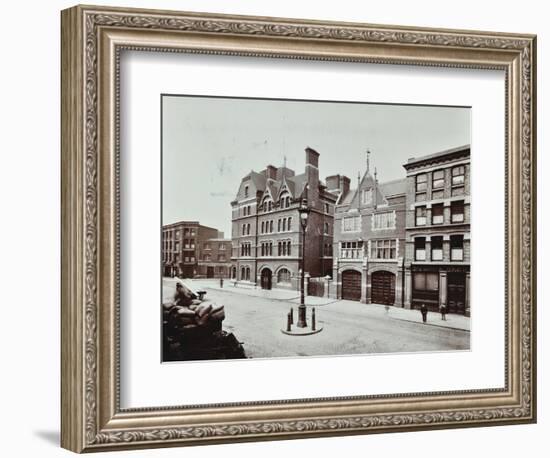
x: 209, y: 272
x: 351, y: 285
x: 383, y: 287
x: 456, y: 292
x: 266, y: 279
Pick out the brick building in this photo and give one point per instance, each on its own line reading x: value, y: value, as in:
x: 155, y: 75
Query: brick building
x: 214, y: 258
x: 180, y: 247
x: 266, y: 231
x: 369, y: 241
x: 437, y: 260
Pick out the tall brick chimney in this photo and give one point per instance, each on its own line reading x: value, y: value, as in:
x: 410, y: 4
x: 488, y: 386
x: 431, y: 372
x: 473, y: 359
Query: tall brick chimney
x: 312, y: 177
x: 271, y: 172
x: 344, y: 184
x: 338, y: 184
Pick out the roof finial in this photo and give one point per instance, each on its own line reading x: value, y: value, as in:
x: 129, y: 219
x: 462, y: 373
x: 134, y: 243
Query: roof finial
x: 368, y: 161
x: 375, y: 174
x: 284, y: 161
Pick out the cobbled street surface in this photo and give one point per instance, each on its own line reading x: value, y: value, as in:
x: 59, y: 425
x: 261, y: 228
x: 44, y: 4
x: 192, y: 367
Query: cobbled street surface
x: 256, y: 318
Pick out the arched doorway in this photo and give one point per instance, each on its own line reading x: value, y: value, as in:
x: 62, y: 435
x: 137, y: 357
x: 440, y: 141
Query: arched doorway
x: 351, y: 285
x: 266, y: 278
x: 383, y: 287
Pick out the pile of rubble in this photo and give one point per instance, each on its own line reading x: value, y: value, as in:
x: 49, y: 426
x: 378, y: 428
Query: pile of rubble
x: 192, y: 329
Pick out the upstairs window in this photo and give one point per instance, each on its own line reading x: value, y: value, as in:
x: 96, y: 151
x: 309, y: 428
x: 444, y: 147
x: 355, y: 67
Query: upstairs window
x: 457, y: 247
x: 457, y: 211
x: 351, y: 224
x: 437, y: 214
x: 420, y: 216
x: 420, y: 248
x: 383, y: 220
x: 366, y: 196
x: 421, y: 182
x: 384, y: 249
x: 458, y: 175
x: 437, y: 248
x: 438, y: 179
x: 351, y: 250
x: 246, y: 191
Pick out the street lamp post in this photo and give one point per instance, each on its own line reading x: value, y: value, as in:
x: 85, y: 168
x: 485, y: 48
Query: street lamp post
x: 304, y: 214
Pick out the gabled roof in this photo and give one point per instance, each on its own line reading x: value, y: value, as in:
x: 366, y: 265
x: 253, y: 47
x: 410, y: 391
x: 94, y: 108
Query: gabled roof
x: 394, y: 187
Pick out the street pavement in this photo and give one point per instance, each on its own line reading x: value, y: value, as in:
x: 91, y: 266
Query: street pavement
x: 257, y: 316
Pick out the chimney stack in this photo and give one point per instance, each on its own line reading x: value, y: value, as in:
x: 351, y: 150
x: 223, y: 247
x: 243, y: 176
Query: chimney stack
x: 271, y: 172
x: 312, y: 176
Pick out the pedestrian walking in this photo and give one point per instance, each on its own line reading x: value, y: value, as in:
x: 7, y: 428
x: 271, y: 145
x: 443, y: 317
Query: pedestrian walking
x: 443, y: 311
x: 424, y: 312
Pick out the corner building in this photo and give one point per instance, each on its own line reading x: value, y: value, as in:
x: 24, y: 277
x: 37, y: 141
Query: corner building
x: 437, y: 259
x: 180, y: 247
x: 266, y: 232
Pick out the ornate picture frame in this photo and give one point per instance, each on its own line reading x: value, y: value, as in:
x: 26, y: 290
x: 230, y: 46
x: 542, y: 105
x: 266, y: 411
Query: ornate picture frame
x: 92, y: 41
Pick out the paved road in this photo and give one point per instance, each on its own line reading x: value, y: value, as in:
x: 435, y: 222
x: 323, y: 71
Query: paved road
x: 349, y: 328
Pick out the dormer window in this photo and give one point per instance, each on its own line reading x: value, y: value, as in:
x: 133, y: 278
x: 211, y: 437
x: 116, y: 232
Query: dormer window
x: 246, y: 191
x: 366, y: 196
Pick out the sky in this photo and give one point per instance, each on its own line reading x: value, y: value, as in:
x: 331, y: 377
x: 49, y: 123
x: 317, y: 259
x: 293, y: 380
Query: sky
x: 209, y: 144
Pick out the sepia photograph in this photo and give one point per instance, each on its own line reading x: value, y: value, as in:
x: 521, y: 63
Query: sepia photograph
x: 307, y: 228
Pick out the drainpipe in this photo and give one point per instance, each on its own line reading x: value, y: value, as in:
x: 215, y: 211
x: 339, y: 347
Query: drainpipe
x: 403, y: 282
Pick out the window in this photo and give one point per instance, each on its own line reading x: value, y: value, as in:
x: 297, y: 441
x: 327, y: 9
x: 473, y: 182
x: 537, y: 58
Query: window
x: 458, y: 175
x: 437, y: 248
x: 457, y: 191
x: 420, y: 248
x: 248, y: 210
x: 222, y: 247
x: 244, y: 229
x: 384, y: 249
x: 327, y: 208
x: 328, y: 249
x: 279, y: 226
x: 437, y: 214
x: 207, y: 257
x: 366, y: 196
x: 457, y: 247
x: 351, y: 250
x: 351, y: 224
x: 221, y: 257
x: 246, y: 191
x: 457, y: 211
x: 283, y: 276
x: 327, y: 229
x: 269, y: 206
x: 284, y: 201
x: 192, y: 258
x: 177, y: 235
x: 288, y: 251
x: 289, y: 224
x: 383, y: 220
x: 263, y: 227
x: 426, y: 281
x: 248, y: 228
x: 421, y: 182
x: 177, y: 246
x: 438, y: 179
x: 420, y: 216
x: 271, y: 226
x: 245, y: 249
